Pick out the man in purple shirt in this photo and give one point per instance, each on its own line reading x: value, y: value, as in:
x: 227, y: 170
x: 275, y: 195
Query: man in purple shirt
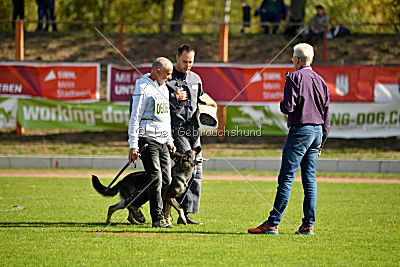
x: 306, y: 102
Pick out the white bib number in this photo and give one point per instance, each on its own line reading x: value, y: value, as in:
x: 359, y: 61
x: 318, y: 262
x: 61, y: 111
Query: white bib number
x: 161, y: 107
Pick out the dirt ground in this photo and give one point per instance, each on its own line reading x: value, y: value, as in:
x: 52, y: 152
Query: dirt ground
x: 103, y: 174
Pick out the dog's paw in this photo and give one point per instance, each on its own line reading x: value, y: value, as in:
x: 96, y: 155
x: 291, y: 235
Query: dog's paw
x: 132, y: 221
x: 182, y: 220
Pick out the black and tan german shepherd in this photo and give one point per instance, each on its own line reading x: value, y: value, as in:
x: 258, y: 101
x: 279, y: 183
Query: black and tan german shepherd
x: 135, y: 183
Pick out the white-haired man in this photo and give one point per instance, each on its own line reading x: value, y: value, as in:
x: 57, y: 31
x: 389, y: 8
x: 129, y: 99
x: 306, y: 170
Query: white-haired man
x: 306, y: 102
x: 150, y: 124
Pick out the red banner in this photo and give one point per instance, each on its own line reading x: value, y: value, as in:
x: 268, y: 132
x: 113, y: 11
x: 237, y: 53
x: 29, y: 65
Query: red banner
x: 238, y: 84
x: 121, y: 82
x: 58, y: 81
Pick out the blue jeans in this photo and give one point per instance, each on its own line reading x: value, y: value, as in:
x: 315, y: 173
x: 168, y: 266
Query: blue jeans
x: 301, y: 148
x: 313, y: 37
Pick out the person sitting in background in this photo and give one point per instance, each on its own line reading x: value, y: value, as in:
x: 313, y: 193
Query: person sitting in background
x: 317, y: 25
x: 283, y: 10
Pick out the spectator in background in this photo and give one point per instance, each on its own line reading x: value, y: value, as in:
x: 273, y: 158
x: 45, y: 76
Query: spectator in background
x: 51, y: 13
x: 283, y: 10
x: 46, y: 8
x: 269, y: 12
x: 317, y: 25
x: 246, y: 16
x: 41, y: 7
x: 18, y: 11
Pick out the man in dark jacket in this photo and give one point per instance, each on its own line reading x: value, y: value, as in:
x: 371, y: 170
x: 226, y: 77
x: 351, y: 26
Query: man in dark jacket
x: 306, y: 102
x: 185, y: 88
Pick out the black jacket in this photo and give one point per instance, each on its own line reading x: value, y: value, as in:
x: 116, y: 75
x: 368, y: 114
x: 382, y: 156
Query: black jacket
x: 183, y: 113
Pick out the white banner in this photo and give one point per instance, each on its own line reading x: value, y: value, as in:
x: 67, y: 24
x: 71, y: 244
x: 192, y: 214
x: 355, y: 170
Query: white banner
x: 8, y: 112
x: 364, y: 120
x: 348, y: 120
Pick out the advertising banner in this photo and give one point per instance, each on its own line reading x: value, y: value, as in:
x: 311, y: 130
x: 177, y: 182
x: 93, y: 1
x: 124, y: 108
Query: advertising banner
x: 59, y: 81
x: 348, y: 120
x: 364, y: 120
x: 8, y: 112
x: 236, y: 84
x: 121, y: 82
x: 39, y: 113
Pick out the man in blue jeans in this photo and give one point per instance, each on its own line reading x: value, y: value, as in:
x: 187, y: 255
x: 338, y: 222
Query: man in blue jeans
x: 306, y: 102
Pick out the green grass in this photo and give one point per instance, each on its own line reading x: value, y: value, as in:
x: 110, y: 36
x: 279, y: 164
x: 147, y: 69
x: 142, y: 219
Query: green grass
x: 357, y: 224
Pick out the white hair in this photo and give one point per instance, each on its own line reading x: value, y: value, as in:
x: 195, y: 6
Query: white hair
x: 161, y: 63
x: 304, y: 52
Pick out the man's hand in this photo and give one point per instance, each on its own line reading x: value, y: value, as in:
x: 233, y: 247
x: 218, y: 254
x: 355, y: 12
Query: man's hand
x: 181, y: 94
x: 172, y: 148
x: 133, y: 155
x: 319, y: 153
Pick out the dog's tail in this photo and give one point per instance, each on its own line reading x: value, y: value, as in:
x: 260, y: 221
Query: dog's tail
x: 102, y: 189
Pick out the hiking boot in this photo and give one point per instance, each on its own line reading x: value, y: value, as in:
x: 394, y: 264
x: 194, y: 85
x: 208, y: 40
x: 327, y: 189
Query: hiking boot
x: 137, y: 214
x: 305, y: 231
x: 161, y: 224
x: 264, y: 229
x: 189, y: 220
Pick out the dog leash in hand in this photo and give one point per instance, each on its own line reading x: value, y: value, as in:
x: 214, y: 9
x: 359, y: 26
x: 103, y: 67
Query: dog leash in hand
x: 124, y: 168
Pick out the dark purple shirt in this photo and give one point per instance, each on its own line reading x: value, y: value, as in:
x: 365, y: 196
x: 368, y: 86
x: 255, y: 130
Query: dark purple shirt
x: 306, y: 100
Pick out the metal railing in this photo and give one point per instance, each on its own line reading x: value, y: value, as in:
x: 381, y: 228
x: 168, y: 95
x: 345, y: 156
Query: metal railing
x: 223, y: 28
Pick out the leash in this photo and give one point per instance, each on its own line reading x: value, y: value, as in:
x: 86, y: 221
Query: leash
x: 124, y: 168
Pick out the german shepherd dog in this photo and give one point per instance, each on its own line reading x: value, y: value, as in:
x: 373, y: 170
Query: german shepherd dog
x: 135, y: 183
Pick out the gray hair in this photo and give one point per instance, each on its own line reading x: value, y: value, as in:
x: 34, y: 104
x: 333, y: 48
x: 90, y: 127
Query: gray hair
x: 304, y: 52
x: 161, y: 63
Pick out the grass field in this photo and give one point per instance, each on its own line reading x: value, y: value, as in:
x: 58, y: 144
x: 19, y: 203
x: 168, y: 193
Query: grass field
x: 357, y: 224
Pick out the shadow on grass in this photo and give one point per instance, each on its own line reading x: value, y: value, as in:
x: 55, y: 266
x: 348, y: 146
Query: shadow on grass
x: 139, y: 229
x: 52, y: 224
x: 169, y: 231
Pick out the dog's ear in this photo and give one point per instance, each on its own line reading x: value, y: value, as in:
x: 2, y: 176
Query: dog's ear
x: 197, y: 150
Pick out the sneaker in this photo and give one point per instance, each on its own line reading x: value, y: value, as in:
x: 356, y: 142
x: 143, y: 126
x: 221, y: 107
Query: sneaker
x: 264, y: 229
x: 161, y: 224
x: 138, y: 215
x: 305, y: 231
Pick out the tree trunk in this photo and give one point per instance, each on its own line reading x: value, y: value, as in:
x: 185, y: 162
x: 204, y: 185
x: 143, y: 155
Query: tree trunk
x: 162, y: 20
x: 177, y: 16
x: 297, y: 10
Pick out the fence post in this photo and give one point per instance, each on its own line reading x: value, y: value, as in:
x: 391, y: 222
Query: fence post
x: 19, y: 40
x: 325, y: 43
x: 19, y: 55
x: 121, y: 41
x: 221, y: 115
x: 224, y: 33
x: 223, y: 42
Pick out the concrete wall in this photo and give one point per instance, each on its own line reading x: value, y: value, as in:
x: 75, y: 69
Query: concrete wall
x: 328, y: 165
